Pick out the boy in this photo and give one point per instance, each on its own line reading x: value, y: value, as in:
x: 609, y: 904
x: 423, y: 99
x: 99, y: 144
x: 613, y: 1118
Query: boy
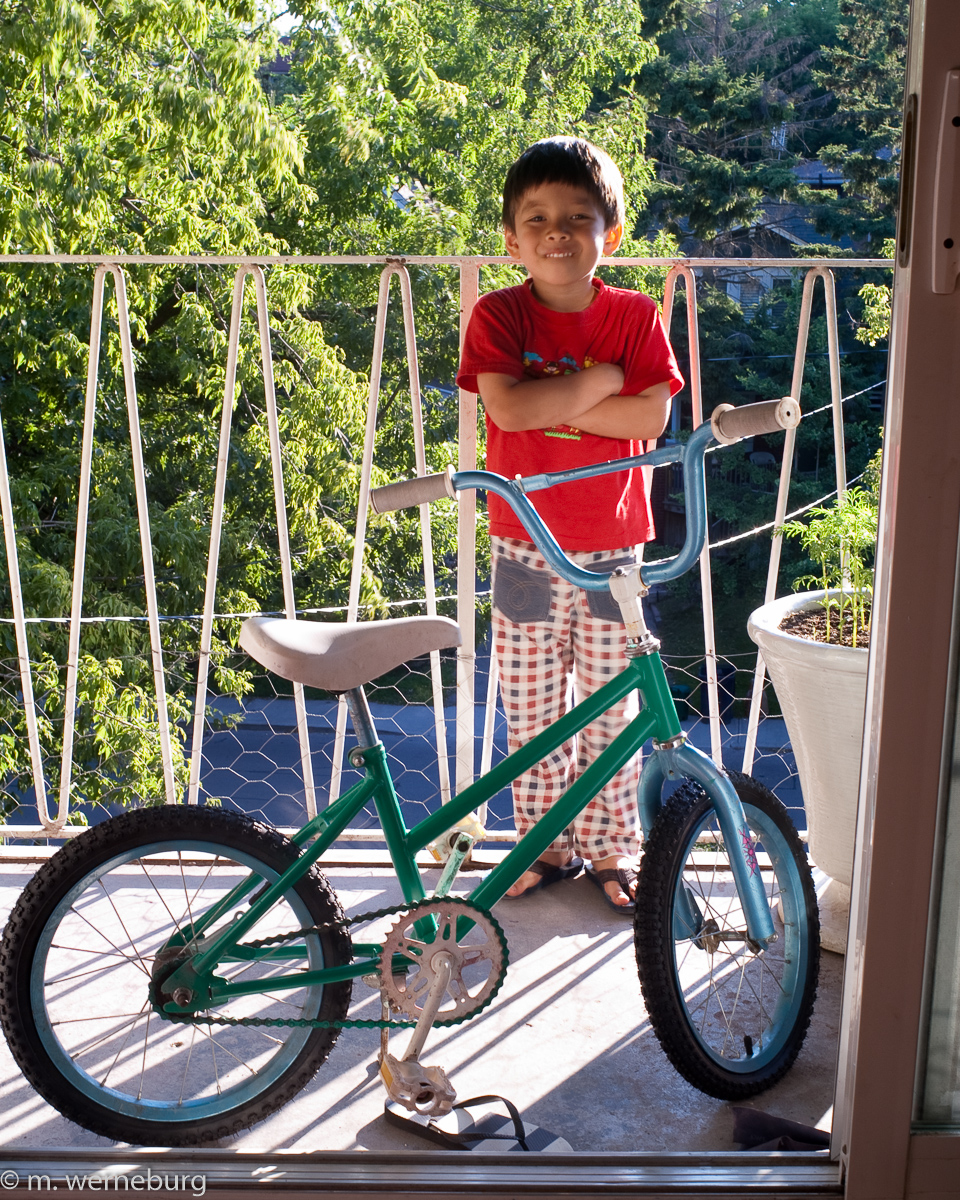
x: 570, y: 372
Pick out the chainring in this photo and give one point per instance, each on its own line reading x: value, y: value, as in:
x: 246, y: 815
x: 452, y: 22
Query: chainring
x: 433, y: 928
x: 463, y: 909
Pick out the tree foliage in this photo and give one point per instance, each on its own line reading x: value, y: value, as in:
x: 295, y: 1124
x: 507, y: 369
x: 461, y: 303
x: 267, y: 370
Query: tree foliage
x: 138, y: 126
x: 743, y: 90
x: 865, y: 67
x: 144, y: 126
x: 734, y: 107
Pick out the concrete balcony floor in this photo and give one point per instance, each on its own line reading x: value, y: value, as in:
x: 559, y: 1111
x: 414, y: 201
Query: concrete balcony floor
x: 567, y: 1039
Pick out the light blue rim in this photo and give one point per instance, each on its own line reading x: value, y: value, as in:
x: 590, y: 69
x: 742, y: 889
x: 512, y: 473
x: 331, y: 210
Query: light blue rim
x: 796, y: 949
x: 187, y: 1111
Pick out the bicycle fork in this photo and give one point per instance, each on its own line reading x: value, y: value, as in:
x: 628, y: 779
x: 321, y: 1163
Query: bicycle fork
x: 678, y: 760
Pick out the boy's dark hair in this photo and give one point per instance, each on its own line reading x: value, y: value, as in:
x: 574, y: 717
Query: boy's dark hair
x: 569, y: 160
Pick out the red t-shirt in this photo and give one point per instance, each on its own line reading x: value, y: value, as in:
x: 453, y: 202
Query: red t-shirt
x: 512, y: 333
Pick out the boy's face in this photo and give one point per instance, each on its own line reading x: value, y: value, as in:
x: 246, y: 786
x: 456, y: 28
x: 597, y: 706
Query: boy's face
x: 559, y: 235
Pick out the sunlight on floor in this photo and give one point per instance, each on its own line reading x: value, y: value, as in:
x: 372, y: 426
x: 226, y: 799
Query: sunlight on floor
x: 566, y: 1039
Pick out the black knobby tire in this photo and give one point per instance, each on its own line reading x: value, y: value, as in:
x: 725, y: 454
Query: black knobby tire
x: 92, y: 929
x: 730, y: 1017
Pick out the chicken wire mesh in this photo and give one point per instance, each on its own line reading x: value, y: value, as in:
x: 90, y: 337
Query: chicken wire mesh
x: 250, y: 748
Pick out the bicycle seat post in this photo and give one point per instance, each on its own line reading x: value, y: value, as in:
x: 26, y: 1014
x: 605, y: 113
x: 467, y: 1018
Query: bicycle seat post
x: 361, y: 717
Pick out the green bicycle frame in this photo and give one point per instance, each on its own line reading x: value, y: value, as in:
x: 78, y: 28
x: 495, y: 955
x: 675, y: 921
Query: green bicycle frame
x: 671, y: 759
x: 657, y: 719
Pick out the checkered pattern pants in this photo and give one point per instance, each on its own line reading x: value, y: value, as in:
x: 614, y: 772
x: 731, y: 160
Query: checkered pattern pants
x: 555, y: 642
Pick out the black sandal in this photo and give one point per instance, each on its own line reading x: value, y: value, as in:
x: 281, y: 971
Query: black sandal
x: 624, y: 876
x: 549, y: 873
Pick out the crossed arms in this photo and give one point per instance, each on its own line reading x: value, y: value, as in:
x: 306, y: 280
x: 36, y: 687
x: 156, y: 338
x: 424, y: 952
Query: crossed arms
x: 586, y: 400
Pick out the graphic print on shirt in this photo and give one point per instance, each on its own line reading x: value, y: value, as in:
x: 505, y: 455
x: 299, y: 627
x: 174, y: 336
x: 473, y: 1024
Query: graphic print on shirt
x: 567, y: 365
x: 563, y: 366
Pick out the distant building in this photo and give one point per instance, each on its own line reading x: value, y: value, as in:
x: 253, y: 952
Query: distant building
x: 784, y: 230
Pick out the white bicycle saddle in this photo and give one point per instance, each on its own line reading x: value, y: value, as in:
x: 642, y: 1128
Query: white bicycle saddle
x: 339, y: 656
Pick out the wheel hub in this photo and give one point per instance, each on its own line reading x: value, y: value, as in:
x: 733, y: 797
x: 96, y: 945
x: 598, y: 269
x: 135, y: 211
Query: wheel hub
x: 709, y: 938
x: 167, y: 963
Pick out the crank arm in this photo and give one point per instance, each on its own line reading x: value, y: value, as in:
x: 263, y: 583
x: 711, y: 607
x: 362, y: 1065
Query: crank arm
x: 430, y: 1009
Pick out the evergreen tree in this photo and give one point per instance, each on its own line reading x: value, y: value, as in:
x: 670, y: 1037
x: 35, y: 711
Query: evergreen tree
x: 864, y: 71
x: 734, y: 107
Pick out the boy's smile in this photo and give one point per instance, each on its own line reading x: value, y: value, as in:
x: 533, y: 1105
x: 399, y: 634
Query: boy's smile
x: 559, y: 236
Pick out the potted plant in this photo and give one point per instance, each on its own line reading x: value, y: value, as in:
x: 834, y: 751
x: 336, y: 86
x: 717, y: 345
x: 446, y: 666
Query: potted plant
x: 814, y: 645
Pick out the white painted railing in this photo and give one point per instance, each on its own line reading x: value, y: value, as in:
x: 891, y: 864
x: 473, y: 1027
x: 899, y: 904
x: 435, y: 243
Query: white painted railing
x: 469, y: 268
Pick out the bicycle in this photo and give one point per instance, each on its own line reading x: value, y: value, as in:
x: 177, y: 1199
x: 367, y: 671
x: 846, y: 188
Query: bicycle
x: 176, y: 973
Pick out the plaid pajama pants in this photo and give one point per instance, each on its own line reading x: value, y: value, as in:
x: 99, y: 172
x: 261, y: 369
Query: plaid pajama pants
x: 552, y: 639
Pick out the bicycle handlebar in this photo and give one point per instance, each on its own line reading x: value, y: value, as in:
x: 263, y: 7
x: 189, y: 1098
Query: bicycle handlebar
x: 411, y: 492
x: 730, y: 424
x: 726, y: 425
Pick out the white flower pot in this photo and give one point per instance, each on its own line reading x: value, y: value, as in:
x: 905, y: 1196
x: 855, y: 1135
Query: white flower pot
x: 822, y: 693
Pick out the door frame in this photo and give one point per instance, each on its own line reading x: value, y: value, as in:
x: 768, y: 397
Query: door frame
x: 908, y: 689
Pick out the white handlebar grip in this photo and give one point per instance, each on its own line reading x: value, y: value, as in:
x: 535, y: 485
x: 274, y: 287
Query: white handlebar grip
x: 411, y: 492
x: 749, y: 420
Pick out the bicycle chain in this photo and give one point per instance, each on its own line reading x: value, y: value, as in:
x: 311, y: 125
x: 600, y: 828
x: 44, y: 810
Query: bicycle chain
x: 346, y: 1022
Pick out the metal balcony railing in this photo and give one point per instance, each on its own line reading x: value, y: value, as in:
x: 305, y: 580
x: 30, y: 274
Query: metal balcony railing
x: 456, y: 770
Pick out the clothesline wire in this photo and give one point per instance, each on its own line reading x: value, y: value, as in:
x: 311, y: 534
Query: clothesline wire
x: 739, y: 537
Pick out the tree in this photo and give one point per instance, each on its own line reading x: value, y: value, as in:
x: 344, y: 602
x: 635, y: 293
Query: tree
x: 739, y: 97
x: 139, y: 127
x: 134, y: 125
x: 865, y: 67
x: 734, y: 107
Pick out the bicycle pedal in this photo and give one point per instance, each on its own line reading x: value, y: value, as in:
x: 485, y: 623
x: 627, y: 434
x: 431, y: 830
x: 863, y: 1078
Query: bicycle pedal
x: 425, y: 1090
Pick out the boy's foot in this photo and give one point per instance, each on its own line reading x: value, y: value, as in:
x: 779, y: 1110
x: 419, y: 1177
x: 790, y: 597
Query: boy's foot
x: 550, y: 868
x: 617, y: 879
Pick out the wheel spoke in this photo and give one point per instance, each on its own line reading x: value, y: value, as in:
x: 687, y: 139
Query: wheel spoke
x: 159, y: 894
x: 135, y: 958
x: 92, y: 937
x: 98, y: 1017
x: 215, y: 1045
x: 143, y: 965
x: 131, y: 958
x: 731, y: 1018
x: 143, y: 1066
x: 186, y: 1065
x: 62, y: 979
x: 123, y: 1044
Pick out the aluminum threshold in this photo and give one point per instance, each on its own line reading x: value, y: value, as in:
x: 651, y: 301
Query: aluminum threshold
x: 439, y: 1174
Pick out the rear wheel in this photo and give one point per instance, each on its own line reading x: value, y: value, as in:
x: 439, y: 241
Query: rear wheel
x: 730, y: 1016
x: 92, y: 936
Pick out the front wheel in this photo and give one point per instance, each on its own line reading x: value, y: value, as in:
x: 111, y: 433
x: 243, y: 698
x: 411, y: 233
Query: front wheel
x: 731, y: 1016
x: 93, y: 934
